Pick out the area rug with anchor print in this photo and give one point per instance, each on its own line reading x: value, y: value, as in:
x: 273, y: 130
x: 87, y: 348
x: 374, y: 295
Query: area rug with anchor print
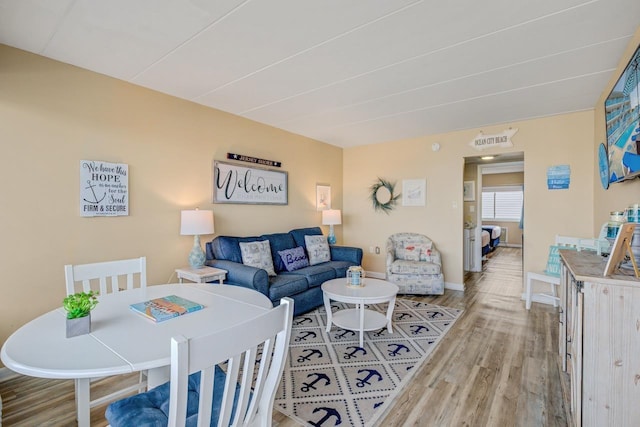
x: 329, y: 380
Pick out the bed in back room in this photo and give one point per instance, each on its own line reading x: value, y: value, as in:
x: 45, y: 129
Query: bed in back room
x: 490, y: 238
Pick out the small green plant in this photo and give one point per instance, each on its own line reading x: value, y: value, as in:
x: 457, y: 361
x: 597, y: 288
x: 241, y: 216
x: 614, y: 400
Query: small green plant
x: 80, y: 304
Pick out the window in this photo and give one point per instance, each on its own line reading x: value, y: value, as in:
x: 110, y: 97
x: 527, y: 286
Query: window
x: 502, y: 203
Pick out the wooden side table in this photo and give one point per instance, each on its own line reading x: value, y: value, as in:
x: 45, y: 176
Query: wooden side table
x: 201, y: 275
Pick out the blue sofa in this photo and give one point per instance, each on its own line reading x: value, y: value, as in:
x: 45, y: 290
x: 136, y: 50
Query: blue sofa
x: 302, y: 285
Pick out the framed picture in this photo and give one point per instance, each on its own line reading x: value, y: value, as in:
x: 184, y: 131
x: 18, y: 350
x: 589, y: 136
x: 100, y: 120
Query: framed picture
x: 248, y: 185
x: 323, y: 197
x: 621, y: 246
x: 414, y: 192
x: 469, y: 191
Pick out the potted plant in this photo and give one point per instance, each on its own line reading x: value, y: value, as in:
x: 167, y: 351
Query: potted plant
x: 78, y: 307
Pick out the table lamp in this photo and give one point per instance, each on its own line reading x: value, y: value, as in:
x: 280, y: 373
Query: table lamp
x: 331, y: 217
x: 195, y: 223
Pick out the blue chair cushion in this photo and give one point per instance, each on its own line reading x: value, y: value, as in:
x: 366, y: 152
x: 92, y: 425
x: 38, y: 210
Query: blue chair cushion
x: 228, y: 247
x: 316, y: 275
x: 284, y: 285
x: 151, y: 409
x: 299, y: 233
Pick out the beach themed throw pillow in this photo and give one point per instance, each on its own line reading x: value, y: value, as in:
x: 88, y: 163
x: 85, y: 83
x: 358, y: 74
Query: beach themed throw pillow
x: 318, y: 249
x: 258, y: 254
x: 294, y: 259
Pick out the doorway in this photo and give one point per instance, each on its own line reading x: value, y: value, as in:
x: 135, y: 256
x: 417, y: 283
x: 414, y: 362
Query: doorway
x: 493, y: 206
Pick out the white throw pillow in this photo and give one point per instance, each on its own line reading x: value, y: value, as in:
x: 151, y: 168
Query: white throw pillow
x: 258, y: 254
x: 318, y: 249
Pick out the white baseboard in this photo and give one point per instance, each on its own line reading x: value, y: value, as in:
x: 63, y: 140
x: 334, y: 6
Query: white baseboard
x: 6, y: 373
x: 447, y: 285
x: 454, y: 286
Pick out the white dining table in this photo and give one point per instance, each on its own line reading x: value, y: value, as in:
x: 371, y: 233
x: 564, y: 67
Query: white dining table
x: 122, y: 341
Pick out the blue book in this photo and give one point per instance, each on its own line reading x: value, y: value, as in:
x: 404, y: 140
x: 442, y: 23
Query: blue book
x: 165, y: 308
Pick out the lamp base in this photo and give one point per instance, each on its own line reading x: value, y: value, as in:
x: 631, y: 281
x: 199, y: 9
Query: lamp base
x: 332, y: 237
x: 196, y: 256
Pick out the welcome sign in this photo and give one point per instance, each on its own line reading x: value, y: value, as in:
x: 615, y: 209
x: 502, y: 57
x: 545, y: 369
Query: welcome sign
x: 104, y: 189
x: 251, y: 185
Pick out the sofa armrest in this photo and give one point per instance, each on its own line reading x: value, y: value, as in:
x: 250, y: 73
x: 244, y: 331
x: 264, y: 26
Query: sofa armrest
x: 346, y: 253
x: 244, y: 275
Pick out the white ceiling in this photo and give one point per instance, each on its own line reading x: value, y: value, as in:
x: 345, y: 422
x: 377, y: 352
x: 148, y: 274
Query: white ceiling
x: 346, y: 72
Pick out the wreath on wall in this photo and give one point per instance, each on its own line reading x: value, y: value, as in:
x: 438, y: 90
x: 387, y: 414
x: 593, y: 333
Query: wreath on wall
x: 382, y: 195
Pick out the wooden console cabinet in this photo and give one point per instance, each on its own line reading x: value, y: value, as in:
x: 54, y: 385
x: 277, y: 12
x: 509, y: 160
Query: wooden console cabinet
x: 600, y: 341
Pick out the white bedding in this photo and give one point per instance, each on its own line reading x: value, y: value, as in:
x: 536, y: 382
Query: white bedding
x: 485, y: 238
x: 496, y: 231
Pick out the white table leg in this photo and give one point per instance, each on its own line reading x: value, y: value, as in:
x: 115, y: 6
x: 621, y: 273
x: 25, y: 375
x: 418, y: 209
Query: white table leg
x: 392, y: 304
x: 361, y: 306
x: 327, y: 308
x: 83, y: 411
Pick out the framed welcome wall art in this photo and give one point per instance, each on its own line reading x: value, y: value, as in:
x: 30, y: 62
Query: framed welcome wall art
x: 248, y: 185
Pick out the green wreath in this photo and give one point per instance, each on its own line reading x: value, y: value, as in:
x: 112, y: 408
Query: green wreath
x: 378, y: 205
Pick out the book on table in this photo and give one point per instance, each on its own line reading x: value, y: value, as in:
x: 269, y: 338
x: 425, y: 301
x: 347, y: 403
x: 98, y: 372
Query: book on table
x: 165, y: 308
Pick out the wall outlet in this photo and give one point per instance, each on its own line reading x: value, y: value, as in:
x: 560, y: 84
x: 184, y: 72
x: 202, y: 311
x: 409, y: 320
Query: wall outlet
x: 378, y: 250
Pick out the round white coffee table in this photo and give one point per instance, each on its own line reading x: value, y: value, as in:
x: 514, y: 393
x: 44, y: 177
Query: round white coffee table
x: 359, y: 319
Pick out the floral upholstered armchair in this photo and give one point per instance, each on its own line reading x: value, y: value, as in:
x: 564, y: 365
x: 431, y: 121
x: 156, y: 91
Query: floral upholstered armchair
x: 414, y: 264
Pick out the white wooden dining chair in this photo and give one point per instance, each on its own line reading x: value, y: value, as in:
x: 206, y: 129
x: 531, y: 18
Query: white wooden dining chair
x: 551, y: 275
x: 107, y: 277
x: 240, y: 395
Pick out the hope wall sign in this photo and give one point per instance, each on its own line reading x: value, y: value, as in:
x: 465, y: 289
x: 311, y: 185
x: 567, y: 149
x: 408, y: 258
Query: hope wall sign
x: 252, y: 185
x: 104, y: 188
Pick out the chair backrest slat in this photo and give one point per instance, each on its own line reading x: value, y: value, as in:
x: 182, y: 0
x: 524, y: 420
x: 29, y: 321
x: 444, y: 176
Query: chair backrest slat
x: 238, y: 346
x: 101, y: 271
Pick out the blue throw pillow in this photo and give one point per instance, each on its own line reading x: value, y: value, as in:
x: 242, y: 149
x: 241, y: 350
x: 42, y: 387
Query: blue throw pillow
x: 294, y: 259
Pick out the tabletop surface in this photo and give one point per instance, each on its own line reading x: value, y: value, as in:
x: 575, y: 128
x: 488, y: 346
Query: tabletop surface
x: 122, y: 340
x: 373, y: 288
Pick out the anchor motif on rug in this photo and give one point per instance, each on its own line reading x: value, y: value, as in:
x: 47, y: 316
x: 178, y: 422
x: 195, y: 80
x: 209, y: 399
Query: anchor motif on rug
x: 328, y: 413
x: 402, y: 316
x: 417, y: 329
x: 396, y: 351
x: 310, y: 352
x: 371, y: 373
x: 302, y: 321
x: 304, y: 335
x: 344, y: 334
x: 434, y: 314
x: 356, y: 349
x: 311, y: 385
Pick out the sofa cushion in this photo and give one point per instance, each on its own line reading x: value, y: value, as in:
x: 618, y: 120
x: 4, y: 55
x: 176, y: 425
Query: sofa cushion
x: 299, y: 233
x: 257, y: 254
x: 228, y: 247
x: 294, y: 259
x: 315, y: 275
x: 279, y: 242
x: 285, y: 285
x: 318, y: 249
x: 340, y: 267
x: 414, y: 267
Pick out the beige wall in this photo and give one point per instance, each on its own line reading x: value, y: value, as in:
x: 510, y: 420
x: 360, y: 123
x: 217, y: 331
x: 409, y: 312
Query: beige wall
x: 563, y: 139
x: 54, y: 115
x: 620, y: 195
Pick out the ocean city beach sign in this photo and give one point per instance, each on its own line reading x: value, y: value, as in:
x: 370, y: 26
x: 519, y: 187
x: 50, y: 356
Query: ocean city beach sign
x: 251, y: 185
x: 503, y: 139
x: 104, y: 189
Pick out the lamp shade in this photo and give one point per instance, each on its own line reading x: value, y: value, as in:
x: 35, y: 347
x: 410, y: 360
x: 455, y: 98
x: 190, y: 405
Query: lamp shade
x: 196, y: 222
x: 331, y: 217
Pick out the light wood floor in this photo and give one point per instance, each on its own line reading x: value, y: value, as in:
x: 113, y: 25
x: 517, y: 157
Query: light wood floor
x: 496, y: 367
